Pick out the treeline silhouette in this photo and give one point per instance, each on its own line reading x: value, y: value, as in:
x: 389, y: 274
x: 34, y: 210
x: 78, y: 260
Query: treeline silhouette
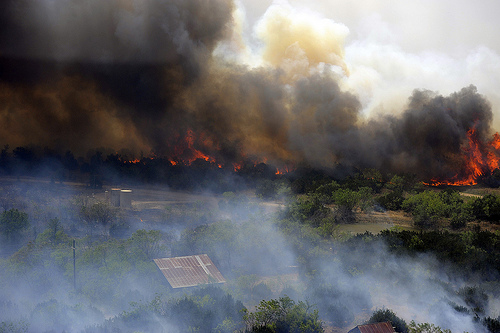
x: 105, y: 166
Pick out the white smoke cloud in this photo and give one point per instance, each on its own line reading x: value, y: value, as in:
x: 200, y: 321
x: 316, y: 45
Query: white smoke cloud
x: 396, y: 47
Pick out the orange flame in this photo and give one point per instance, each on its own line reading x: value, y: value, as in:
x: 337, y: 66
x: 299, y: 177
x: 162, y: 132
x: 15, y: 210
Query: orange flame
x: 237, y: 166
x: 480, y: 159
x: 284, y: 170
x: 191, y: 146
x: 184, y: 152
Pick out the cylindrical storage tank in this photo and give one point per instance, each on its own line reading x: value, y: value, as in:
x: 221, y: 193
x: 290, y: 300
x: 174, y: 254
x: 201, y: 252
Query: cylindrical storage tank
x: 126, y: 198
x: 115, y: 197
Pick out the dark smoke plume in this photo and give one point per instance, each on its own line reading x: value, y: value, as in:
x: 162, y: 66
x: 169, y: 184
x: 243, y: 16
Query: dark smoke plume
x: 431, y: 131
x: 102, y: 73
x: 141, y: 75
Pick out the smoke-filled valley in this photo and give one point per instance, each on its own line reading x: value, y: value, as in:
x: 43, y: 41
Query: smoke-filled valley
x: 269, y: 136
x: 269, y: 245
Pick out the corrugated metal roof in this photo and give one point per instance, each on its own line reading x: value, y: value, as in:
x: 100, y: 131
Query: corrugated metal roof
x: 374, y: 328
x: 189, y: 271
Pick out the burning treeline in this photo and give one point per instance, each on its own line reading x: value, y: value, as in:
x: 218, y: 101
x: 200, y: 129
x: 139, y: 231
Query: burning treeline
x: 180, y: 79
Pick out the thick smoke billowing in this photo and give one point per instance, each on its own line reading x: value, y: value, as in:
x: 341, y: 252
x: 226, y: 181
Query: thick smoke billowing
x: 105, y: 74
x: 429, y: 134
x: 139, y: 75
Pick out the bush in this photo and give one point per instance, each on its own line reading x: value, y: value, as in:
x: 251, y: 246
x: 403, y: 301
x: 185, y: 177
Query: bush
x: 383, y: 315
x: 487, y: 208
x: 14, y: 327
x: 324, y: 192
x: 392, y: 200
x: 425, y: 328
x: 461, y: 215
x: 261, y: 291
x: 12, y: 222
x: 347, y: 200
x: 306, y: 209
x: 492, y: 324
x: 283, y: 315
x: 475, y: 298
x: 427, y: 208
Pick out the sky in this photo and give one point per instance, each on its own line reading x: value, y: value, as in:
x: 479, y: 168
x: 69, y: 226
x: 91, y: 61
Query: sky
x: 366, y: 83
x: 393, y: 47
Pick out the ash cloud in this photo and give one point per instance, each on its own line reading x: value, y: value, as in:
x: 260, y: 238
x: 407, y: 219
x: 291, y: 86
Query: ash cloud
x: 113, y: 31
x: 135, y: 55
x: 139, y: 75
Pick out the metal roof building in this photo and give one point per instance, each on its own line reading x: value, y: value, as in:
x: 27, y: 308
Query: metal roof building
x: 189, y: 271
x: 374, y: 328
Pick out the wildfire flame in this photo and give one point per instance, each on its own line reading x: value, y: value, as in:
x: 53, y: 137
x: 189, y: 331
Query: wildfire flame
x: 237, y: 166
x: 190, y: 147
x: 480, y: 159
x: 186, y: 153
x: 284, y: 170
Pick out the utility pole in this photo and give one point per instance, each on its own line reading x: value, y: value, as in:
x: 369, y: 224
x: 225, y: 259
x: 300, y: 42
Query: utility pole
x: 74, y: 265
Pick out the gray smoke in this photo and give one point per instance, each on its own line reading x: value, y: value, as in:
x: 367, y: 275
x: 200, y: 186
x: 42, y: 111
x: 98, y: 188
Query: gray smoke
x: 140, y: 75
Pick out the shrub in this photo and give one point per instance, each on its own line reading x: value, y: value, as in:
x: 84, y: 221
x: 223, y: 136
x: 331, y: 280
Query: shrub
x: 492, y: 324
x: 487, y: 208
x: 12, y: 222
x: 427, y: 208
x: 383, y: 315
x: 283, y: 315
x: 392, y: 200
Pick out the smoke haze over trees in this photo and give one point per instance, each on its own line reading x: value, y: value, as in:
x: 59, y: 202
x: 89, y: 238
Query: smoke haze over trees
x: 446, y: 278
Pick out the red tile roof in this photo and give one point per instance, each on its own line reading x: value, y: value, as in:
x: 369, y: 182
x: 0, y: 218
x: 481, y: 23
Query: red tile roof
x: 189, y: 271
x: 374, y: 328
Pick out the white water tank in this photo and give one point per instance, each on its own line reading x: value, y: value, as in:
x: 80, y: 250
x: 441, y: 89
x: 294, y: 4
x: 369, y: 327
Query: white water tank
x: 115, y: 197
x: 126, y: 198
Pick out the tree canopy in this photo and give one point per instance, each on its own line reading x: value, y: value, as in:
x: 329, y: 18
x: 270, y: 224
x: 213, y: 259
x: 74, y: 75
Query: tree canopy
x: 12, y: 222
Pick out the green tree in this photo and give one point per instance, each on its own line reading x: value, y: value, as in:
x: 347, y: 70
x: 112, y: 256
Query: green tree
x: 324, y: 192
x: 456, y: 209
x: 391, y: 200
x: 487, y: 208
x: 425, y: 328
x: 147, y: 244
x: 383, y: 315
x: 218, y: 240
x: 492, y: 324
x: 283, y: 315
x: 475, y: 298
x: 98, y: 213
x: 427, y: 208
x: 266, y: 189
x: 348, y: 200
x: 307, y: 209
x: 207, y: 310
x: 54, y: 226
x: 53, y: 235
x: 12, y: 222
x: 404, y: 183
x: 14, y: 327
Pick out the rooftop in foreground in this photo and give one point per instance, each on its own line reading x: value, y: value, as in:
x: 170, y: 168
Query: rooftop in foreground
x: 373, y: 328
x: 189, y: 271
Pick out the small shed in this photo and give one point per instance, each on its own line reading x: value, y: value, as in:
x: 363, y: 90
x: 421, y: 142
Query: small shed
x: 115, y: 197
x: 374, y: 328
x: 126, y: 198
x: 189, y: 271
